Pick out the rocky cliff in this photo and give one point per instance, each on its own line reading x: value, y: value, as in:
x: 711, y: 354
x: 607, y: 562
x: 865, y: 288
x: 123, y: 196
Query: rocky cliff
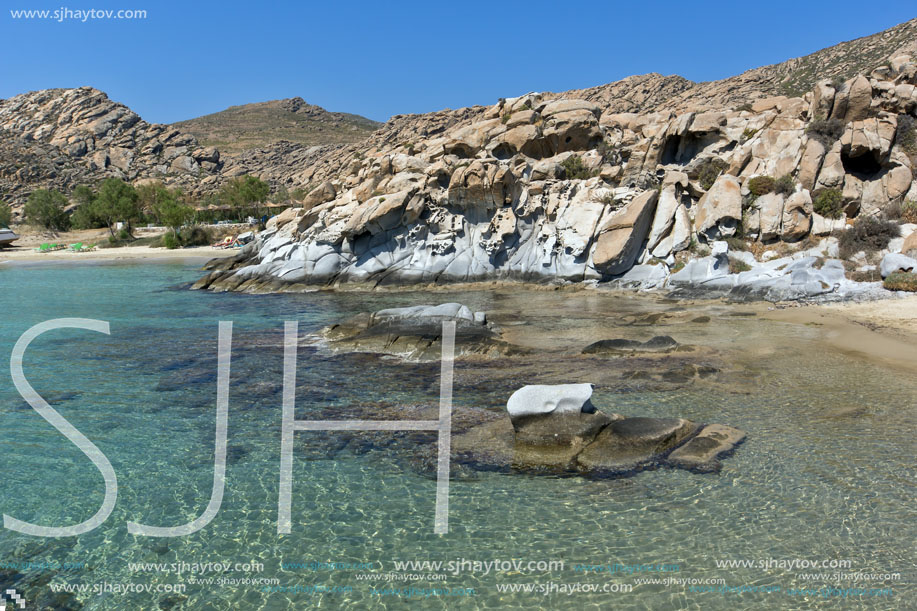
x: 59, y: 138
x: 553, y: 187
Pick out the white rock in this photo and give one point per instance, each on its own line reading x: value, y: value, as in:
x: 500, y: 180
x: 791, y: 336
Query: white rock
x: 895, y: 262
x: 544, y: 399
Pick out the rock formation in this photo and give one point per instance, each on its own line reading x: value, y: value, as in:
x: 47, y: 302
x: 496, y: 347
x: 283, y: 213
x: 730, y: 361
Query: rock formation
x: 59, y: 138
x: 542, y: 187
x: 557, y: 428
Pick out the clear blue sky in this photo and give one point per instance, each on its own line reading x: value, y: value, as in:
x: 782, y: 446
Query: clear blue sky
x: 381, y: 58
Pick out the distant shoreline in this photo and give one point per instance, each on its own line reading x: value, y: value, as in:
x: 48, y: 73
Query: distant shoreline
x: 124, y: 253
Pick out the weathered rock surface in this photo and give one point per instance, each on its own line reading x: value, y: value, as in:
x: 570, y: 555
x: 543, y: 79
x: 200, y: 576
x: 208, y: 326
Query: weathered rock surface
x: 701, y: 452
x: 79, y: 136
x: 416, y: 332
x: 547, y: 187
x: 895, y: 262
x: 589, y: 442
x: 660, y: 343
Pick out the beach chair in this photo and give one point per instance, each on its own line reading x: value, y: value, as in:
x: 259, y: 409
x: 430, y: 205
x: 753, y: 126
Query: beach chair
x: 75, y: 247
x: 43, y: 248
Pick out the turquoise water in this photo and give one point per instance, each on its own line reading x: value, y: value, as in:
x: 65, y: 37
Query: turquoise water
x: 827, y: 473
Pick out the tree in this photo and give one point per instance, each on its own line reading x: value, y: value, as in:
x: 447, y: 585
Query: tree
x: 171, y: 212
x: 84, y: 217
x: 151, y: 195
x: 244, y: 191
x: 116, y: 201
x: 6, y: 214
x: 46, y: 209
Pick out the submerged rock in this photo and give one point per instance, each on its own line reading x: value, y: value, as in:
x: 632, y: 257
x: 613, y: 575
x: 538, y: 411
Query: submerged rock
x: 701, y: 452
x: 660, y: 343
x: 571, y: 440
x: 415, y: 332
x: 631, y: 443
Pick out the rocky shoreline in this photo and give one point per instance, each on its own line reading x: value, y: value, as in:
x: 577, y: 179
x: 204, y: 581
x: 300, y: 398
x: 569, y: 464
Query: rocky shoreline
x: 762, y: 201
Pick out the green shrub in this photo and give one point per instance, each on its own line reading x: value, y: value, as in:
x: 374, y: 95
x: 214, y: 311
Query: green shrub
x: 901, y: 281
x: 749, y: 133
x: 575, y: 169
x: 737, y: 266
x: 46, y: 209
x: 906, y: 135
x: 83, y: 218
x: 869, y: 234
x: 117, y: 201
x: 829, y: 203
x: 737, y: 243
x: 243, y: 191
x: 785, y: 185
x: 708, y: 171
x: 759, y: 185
x: 6, y: 215
x: 171, y: 241
x: 195, y: 236
x: 826, y: 131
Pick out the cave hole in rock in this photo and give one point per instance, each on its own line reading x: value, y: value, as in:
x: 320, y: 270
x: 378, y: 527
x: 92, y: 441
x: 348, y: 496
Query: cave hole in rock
x: 460, y: 150
x: 681, y: 150
x: 865, y: 167
x: 503, y: 151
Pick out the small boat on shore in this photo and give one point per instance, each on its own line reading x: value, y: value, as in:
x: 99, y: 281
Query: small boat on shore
x: 7, y: 237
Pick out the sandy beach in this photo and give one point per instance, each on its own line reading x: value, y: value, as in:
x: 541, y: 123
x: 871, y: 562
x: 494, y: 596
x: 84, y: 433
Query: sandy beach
x: 884, y: 330
x: 25, y: 248
x: 114, y: 254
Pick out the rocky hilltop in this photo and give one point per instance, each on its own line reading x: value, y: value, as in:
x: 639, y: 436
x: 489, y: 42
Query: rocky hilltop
x: 563, y: 188
x: 255, y: 126
x: 59, y: 138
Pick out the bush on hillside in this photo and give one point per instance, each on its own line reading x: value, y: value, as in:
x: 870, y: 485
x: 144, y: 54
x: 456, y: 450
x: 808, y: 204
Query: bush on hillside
x: 785, y: 185
x: 826, y: 131
x: 760, y: 185
x: 829, y: 203
x: 45, y: 209
x: 869, y: 234
x: 709, y: 170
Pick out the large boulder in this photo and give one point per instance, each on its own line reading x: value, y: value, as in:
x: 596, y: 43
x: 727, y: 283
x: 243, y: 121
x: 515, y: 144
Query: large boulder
x: 620, y: 238
x: 770, y: 207
x: 630, y: 443
x: 896, y: 262
x: 535, y: 400
x: 797, y: 216
x: 719, y: 211
x: 483, y: 185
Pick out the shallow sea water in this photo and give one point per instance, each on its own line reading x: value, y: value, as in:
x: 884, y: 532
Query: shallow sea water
x: 827, y: 472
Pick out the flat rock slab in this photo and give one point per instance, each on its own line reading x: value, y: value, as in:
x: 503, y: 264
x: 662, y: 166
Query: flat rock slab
x: 700, y: 453
x: 660, y: 343
x: 415, y: 333
x: 631, y: 443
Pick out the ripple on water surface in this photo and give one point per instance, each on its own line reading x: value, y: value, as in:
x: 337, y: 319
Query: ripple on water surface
x: 827, y: 472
